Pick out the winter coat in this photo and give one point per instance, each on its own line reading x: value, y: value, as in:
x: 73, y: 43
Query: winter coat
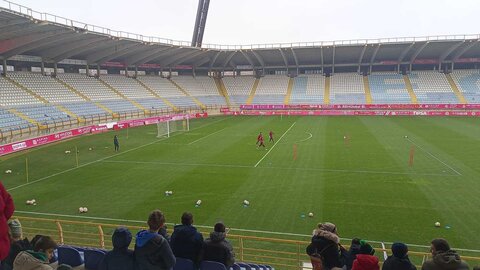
x: 6, y: 211
x: 395, y: 263
x: 186, y: 242
x: 351, y: 255
x: 29, y: 260
x: 218, y: 249
x: 120, y: 258
x: 448, y: 260
x: 365, y: 262
x: 326, y: 243
x: 152, y: 252
x: 15, y: 248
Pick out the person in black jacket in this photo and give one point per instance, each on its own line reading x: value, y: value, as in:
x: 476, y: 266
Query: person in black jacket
x: 17, y: 244
x: 120, y: 258
x: 186, y: 241
x: 399, y: 259
x: 217, y: 248
x: 152, y: 250
x: 326, y: 245
x: 351, y: 255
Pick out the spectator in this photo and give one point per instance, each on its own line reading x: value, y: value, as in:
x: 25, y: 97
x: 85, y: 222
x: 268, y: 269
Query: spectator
x: 17, y: 244
x: 218, y: 249
x: 351, y: 255
x: 365, y: 259
x: 37, y: 259
x: 399, y: 259
x: 6, y: 211
x: 325, y: 247
x: 186, y: 241
x: 443, y: 258
x: 152, y: 250
x: 120, y: 258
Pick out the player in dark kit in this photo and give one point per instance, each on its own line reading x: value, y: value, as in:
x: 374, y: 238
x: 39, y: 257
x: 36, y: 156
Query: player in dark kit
x: 270, y: 134
x: 115, y: 143
x: 260, y: 140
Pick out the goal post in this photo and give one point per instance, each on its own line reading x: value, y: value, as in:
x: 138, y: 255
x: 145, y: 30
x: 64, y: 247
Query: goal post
x: 165, y: 129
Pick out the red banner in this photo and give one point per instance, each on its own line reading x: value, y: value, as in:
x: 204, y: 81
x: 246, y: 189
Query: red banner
x: 357, y: 112
x: 362, y: 107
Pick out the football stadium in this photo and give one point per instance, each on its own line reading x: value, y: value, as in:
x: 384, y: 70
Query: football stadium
x: 378, y: 138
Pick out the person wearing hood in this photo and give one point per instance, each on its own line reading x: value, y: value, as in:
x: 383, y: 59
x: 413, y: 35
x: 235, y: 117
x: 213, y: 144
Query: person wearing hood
x: 365, y: 259
x: 38, y: 258
x: 186, y: 241
x: 120, y: 258
x: 217, y: 248
x: 399, y: 259
x: 443, y: 258
x: 325, y: 247
x: 17, y: 244
x: 351, y: 255
x: 152, y: 250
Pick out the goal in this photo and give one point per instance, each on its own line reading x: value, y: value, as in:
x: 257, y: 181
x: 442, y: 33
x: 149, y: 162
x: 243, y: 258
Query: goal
x: 164, y: 129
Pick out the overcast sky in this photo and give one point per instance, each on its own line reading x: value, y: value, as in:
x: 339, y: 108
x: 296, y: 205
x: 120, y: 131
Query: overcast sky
x: 271, y: 21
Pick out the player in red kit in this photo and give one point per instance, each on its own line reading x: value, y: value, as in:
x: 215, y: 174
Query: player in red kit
x: 260, y: 140
x: 270, y: 134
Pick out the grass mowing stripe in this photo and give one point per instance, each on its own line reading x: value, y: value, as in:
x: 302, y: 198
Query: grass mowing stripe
x: 273, y: 167
x: 101, y: 159
x: 275, y: 144
x: 210, y: 227
x: 432, y: 155
x: 206, y: 136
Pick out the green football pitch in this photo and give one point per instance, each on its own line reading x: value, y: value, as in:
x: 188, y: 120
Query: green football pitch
x: 353, y: 171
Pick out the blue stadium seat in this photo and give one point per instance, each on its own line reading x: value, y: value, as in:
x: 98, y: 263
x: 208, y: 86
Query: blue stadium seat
x: 69, y: 255
x: 184, y: 264
x: 92, y: 258
x: 209, y: 265
x: 244, y: 266
x: 235, y: 266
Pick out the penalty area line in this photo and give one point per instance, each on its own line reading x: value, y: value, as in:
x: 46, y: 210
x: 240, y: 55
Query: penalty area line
x: 206, y: 136
x: 275, y: 144
x: 209, y: 227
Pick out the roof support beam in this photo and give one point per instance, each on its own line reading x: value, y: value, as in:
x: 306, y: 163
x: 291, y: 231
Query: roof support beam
x: 464, y: 50
x: 16, y: 46
x: 201, y: 61
x: 360, y: 59
x: 96, y: 57
x: 333, y: 60
x: 259, y: 58
x: 321, y: 59
x: 295, y: 58
x: 227, y: 60
x: 403, y: 54
x: 212, y: 62
x: 249, y: 60
x: 188, y: 57
x: 448, y: 52
x: 55, y: 52
x: 284, y: 58
x: 417, y: 52
x: 149, y: 56
x: 71, y: 51
x: 171, y: 59
x: 373, y: 57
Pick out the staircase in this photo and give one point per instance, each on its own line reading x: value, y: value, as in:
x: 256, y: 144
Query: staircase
x: 326, y: 94
x: 455, y: 89
x: 289, y: 91
x: 252, y: 93
x: 408, y: 84
x: 26, y: 118
x: 222, y: 90
x: 368, y: 94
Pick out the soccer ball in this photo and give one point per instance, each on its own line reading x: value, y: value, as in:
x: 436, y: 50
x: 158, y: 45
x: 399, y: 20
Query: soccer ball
x: 245, y: 202
x: 8, y: 171
x: 28, y: 202
x: 80, y: 209
x: 437, y: 224
x: 67, y: 151
x: 344, y: 137
x: 90, y: 149
x: 170, y: 192
x: 310, y: 214
x: 406, y: 136
x: 85, y: 209
x: 198, y: 202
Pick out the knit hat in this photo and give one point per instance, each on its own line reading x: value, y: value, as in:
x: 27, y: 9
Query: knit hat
x: 366, y: 248
x: 327, y: 226
x: 121, y: 238
x: 399, y: 250
x: 15, y: 228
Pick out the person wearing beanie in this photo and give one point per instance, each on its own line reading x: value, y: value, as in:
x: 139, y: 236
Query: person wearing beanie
x: 17, y: 244
x: 365, y: 259
x: 120, y: 258
x: 6, y: 211
x: 399, y: 259
x: 443, y: 258
x: 38, y: 258
x: 186, y: 241
x: 217, y: 248
x: 351, y: 255
x: 325, y: 249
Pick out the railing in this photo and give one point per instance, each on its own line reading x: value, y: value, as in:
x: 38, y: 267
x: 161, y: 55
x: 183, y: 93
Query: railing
x: 41, y: 16
x: 280, y: 253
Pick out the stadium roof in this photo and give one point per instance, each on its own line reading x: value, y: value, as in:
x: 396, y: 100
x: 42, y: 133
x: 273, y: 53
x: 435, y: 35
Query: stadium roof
x: 53, y: 38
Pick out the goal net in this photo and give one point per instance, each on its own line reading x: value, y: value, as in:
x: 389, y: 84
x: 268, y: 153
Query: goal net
x: 164, y: 129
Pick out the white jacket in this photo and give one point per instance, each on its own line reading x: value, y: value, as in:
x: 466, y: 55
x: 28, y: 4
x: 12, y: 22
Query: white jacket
x: 26, y: 261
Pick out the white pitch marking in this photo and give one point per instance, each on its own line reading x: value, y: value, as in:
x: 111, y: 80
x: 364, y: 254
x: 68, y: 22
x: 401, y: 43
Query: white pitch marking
x: 272, y: 167
x: 309, y: 137
x: 102, y: 159
x: 206, y: 136
x: 432, y: 155
x: 264, y: 156
x: 210, y: 227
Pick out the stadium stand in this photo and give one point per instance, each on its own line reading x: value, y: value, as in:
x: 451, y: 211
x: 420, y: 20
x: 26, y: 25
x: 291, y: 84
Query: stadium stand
x: 238, y: 88
x: 308, y: 89
x: 202, y: 88
x: 11, y: 95
x: 9, y: 121
x: 468, y: 82
x: 43, y: 114
x: 388, y: 88
x: 347, y: 88
x: 88, y: 86
x: 271, y: 90
x: 165, y: 89
x: 432, y: 87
